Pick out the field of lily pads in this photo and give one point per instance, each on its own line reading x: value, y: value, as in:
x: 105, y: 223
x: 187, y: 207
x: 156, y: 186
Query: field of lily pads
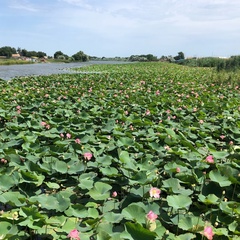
x: 137, y: 151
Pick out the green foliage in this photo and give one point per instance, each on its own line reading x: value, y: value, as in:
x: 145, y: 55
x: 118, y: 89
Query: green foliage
x: 146, y: 125
x: 142, y: 58
x: 203, y: 62
x: 228, y: 64
x: 80, y: 56
x: 180, y: 56
x: 60, y: 55
x: 7, y: 51
x: 231, y: 64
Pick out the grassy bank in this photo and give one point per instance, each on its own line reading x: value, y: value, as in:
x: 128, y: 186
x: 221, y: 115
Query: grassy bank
x: 12, y: 62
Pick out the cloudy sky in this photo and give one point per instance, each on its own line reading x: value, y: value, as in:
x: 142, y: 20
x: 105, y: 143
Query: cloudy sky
x: 122, y: 27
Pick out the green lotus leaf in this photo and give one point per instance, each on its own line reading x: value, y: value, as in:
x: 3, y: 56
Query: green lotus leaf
x: 6, y: 182
x: 56, y: 220
x: 60, y: 166
x: 69, y: 225
x: 209, y: 199
x: 77, y: 210
x: 139, y: 232
x: 222, y: 180
x: 135, y: 213
x: 219, y: 155
x: 86, y: 184
x: 113, y: 217
x: 234, y: 227
x: 28, y: 138
x: 13, y: 198
x: 52, y: 202
x: 125, y: 141
x: 191, y: 223
x: 179, y: 201
x: 221, y: 232
x: 109, y: 126
x: 14, y: 143
x: 104, y: 161
x: 102, y: 235
x: 187, y: 236
x: 52, y: 185
x: 32, y: 177
x: 125, y: 158
x: 109, y: 171
x: 100, y: 191
x: 170, y: 132
x: 8, y: 230
x: 173, y: 184
x: 93, y: 213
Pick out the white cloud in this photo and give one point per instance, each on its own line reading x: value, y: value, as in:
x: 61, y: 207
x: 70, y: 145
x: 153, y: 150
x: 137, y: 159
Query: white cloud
x: 157, y: 26
x: 23, y: 5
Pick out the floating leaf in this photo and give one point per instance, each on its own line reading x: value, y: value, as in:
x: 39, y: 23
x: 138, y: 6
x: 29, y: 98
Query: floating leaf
x: 222, y: 180
x: 179, y: 201
x: 191, y: 223
x: 100, y: 191
x: 135, y: 213
x: 138, y: 232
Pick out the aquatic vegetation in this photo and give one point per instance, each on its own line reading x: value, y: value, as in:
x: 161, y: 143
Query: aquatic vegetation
x: 133, y: 151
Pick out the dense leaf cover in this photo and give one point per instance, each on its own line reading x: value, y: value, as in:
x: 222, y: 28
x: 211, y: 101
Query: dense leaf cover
x: 134, y: 151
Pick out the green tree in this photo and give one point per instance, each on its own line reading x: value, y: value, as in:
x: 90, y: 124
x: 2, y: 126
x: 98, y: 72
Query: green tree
x: 23, y: 52
x: 41, y: 54
x: 80, y: 56
x: 57, y: 54
x: 151, y: 58
x: 31, y: 54
x: 7, y: 51
x: 180, y: 56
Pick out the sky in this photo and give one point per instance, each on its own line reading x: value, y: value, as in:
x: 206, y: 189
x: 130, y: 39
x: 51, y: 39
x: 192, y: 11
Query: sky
x: 121, y: 28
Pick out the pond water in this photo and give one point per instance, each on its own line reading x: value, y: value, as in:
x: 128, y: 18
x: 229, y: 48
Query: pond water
x: 8, y: 72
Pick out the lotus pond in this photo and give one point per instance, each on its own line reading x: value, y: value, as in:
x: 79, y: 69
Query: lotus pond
x: 138, y: 152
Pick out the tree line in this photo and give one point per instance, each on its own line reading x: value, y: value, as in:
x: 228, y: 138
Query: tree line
x: 8, y: 51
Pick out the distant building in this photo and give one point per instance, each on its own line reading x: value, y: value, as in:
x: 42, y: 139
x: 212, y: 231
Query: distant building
x: 16, y: 55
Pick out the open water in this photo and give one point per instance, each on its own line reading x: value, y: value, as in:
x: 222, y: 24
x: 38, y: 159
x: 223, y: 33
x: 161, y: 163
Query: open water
x: 8, y: 72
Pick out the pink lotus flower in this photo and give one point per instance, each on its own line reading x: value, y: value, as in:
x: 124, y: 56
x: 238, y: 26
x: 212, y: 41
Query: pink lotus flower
x: 222, y: 137
x: 68, y: 135
x: 208, y: 233
x: 154, y: 192
x: 178, y: 170
x: 77, y: 140
x: 87, y: 156
x: 61, y: 135
x: 74, y: 234
x: 148, y: 112
x: 43, y: 123
x: 151, y: 216
x: 210, y: 159
x: 114, y: 194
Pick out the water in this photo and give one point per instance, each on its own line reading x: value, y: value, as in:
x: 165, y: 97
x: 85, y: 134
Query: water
x: 8, y: 72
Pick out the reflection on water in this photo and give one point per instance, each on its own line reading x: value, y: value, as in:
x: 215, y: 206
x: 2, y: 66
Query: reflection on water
x: 8, y: 72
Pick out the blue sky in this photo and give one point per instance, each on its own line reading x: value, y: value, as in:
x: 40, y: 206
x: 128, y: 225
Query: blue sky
x: 122, y: 27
